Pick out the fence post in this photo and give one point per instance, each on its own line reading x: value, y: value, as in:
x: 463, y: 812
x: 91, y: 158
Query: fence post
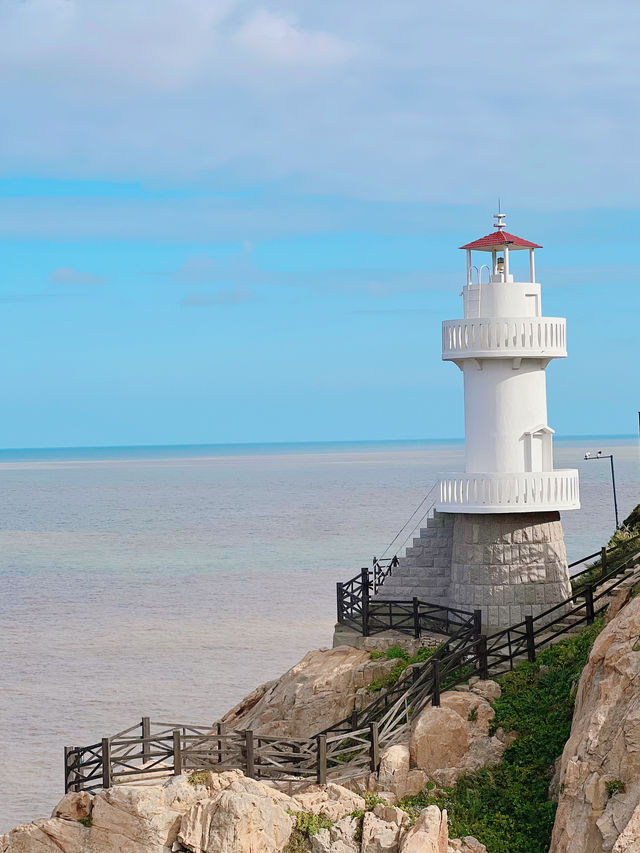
x: 222, y: 728
x: 477, y: 622
x: 321, y: 776
x: 354, y: 719
x: 177, y: 753
x: 364, y: 581
x: 588, y: 597
x: 248, y: 744
x: 416, y: 618
x: 603, y: 560
x: 340, y: 603
x: 146, y: 734
x: 483, y: 661
x: 531, y: 642
x: 415, y: 673
x: 375, y: 747
x: 68, y: 784
x: 106, y: 762
x: 436, y: 683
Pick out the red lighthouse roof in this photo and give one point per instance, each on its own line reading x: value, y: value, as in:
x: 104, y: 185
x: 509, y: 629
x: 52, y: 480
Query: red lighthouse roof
x: 500, y: 239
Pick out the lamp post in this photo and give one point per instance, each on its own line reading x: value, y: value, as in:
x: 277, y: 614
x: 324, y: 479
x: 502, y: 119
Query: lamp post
x: 609, y: 456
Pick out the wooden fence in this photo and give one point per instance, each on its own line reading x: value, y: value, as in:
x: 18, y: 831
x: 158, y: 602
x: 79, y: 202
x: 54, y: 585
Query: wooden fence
x: 151, y: 750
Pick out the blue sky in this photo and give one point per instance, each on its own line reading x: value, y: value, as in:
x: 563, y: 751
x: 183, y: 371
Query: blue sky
x: 238, y: 221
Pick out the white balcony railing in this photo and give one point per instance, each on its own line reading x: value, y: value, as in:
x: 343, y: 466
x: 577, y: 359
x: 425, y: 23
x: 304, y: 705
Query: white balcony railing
x: 517, y: 337
x: 541, y: 491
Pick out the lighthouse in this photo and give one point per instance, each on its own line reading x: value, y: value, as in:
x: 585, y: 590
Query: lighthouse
x: 496, y: 542
x: 503, y: 346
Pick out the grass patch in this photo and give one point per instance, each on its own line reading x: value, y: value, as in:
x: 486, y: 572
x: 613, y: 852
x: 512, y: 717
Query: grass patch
x: 404, y: 659
x: 307, y: 825
x: 200, y: 777
x: 507, y: 807
x: 86, y: 821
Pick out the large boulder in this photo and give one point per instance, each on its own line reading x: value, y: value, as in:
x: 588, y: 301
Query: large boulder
x: 395, y: 774
x: 468, y: 844
x: 331, y: 801
x: 48, y: 836
x: 142, y: 817
x: 74, y: 806
x: 123, y: 819
x: 319, y: 691
x: 599, y: 783
x: 429, y: 834
x: 341, y: 838
x: 379, y: 836
x: 453, y: 739
x: 245, y: 817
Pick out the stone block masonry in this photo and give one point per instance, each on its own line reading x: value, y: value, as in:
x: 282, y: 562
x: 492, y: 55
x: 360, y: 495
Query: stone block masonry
x: 425, y: 570
x: 506, y: 565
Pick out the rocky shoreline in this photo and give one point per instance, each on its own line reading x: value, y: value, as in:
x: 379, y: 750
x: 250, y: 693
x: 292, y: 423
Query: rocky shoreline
x: 596, y: 785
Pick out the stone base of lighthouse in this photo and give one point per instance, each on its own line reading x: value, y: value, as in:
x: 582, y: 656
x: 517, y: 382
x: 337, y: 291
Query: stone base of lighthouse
x: 507, y: 565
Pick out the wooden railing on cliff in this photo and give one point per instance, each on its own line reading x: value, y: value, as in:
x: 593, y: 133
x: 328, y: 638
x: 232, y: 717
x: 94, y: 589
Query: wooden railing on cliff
x: 151, y: 750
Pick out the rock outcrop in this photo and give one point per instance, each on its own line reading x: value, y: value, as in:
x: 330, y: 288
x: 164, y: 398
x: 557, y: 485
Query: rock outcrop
x: 320, y: 690
x: 229, y: 814
x: 245, y: 817
x: 429, y: 834
x: 599, y: 781
x: 453, y: 739
x: 446, y: 742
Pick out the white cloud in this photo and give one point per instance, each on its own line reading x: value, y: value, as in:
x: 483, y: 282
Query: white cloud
x: 278, y: 40
x: 402, y: 101
x: 70, y: 275
x: 238, y: 295
x: 196, y: 269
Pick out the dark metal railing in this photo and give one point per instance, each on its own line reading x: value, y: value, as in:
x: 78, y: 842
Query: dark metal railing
x: 357, y: 610
x: 353, y: 746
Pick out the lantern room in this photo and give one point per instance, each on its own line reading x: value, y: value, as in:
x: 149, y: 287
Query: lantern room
x: 499, y: 244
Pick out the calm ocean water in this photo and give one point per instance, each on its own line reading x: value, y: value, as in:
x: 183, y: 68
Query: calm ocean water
x: 171, y: 581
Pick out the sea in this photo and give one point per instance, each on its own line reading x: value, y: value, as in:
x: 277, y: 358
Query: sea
x: 170, y: 581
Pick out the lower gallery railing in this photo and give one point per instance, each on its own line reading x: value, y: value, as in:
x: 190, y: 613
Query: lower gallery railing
x: 544, y: 490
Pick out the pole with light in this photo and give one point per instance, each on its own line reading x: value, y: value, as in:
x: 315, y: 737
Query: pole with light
x: 609, y: 456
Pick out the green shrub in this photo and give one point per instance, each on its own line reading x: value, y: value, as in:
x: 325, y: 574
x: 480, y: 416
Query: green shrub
x: 394, y: 652
x: 307, y: 825
x: 507, y: 807
x: 615, y: 786
x: 404, y: 660
x: 200, y: 777
x: 86, y: 821
x: 375, y: 655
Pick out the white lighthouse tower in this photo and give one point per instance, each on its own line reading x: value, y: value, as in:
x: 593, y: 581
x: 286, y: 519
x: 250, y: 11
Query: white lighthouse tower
x: 503, y: 346
x: 496, y: 543
x: 508, y: 554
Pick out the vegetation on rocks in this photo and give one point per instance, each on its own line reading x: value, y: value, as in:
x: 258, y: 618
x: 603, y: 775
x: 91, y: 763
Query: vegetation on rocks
x: 307, y: 825
x: 404, y: 660
x: 507, y: 807
x: 624, y: 540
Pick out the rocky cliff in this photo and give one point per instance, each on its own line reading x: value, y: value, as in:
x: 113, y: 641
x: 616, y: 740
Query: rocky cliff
x: 599, y: 780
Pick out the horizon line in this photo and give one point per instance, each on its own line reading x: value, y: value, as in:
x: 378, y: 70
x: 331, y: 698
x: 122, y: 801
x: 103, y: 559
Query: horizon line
x: 300, y: 443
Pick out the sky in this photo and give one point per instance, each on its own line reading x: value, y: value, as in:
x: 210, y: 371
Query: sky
x: 231, y: 221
